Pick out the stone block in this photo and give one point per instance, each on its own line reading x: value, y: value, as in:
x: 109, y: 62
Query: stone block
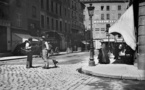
x: 141, y: 20
x: 141, y: 30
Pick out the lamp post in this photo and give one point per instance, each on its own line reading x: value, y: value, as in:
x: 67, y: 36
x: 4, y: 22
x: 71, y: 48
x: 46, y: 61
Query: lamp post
x: 91, y: 13
x: 108, y: 35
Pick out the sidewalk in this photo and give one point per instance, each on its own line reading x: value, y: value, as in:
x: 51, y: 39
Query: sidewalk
x: 23, y: 57
x: 120, y: 71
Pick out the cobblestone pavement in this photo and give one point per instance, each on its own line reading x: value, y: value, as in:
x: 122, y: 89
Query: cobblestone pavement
x: 64, y: 77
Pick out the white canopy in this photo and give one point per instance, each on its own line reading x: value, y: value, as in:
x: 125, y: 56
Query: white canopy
x: 125, y: 26
x: 26, y: 37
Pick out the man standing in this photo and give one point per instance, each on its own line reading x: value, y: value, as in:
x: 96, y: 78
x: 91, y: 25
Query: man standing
x: 45, y: 49
x: 28, y: 50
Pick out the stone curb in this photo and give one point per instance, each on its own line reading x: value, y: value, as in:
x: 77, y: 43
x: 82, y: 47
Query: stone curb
x: 12, y: 58
x: 23, y: 57
x: 110, y: 76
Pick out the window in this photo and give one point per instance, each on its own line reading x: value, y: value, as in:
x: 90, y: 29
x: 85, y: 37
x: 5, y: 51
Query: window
x: 56, y: 24
x: 48, y: 22
x: 96, y: 29
x: 52, y: 22
x: 65, y: 11
x: 102, y: 8
x: 47, y: 5
x: 102, y: 29
x: 19, y: 21
x: 42, y: 4
x: 119, y: 7
x: 42, y: 21
x: 60, y: 10
x: 51, y: 6
x: 107, y: 8
x: 119, y: 15
x: 18, y: 3
x: 56, y: 8
x: 65, y: 27
x: 108, y: 17
x: 102, y: 16
x: 60, y: 26
x: 33, y: 11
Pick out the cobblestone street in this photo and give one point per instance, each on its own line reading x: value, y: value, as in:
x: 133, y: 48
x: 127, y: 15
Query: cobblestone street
x: 64, y: 77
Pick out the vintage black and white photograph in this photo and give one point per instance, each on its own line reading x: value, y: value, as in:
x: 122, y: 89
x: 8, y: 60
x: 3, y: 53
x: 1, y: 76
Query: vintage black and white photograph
x: 72, y: 44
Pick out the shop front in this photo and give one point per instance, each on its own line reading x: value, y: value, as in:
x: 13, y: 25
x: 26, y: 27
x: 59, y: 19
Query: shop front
x: 3, y: 39
x: 5, y: 36
x: 56, y: 39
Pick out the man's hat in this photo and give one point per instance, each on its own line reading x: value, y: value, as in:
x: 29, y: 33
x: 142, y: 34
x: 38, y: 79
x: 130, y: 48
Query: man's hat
x: 43, y: 36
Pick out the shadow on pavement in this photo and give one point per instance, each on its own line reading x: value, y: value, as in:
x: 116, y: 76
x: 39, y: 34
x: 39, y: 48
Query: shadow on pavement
x: 138, y: 85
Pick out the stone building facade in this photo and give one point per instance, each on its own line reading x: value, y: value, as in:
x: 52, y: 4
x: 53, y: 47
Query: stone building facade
x: 22, y: 19
x: 139, y: 23
x: 106, y: 12
x: 63, y: 18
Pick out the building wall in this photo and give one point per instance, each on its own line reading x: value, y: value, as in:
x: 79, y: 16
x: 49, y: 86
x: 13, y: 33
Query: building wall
x: 33, y: 17
x: 99, y: 25
x: 141, y: 35
x: 62, y: 16
x: 4, y: 27
x: 18, y: 14
x: 25, y: 17
x: 100, y: 18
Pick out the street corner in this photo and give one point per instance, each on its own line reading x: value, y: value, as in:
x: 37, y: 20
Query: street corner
x: 101, y: 70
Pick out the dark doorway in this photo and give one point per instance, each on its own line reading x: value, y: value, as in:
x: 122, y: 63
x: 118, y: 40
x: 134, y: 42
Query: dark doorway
x: 3, y: 39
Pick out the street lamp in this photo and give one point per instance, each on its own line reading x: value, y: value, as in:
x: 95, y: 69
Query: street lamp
x: 91, y: 13
x: 108, y: 35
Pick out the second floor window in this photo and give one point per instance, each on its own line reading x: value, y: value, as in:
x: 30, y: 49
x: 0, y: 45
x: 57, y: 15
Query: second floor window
x: 48, y: 22
x: 102, y: 16
x: 56, y: 8
x: 42, y: 4
x: 60, y: 10
x: 52, y: 6
x: 107, y: 8
x: 56, y: 24
x: 65, y: 27
x: 60, y: 26
x: 119, y: 7
x: 96, y: 29
x: 119, y: 15
x: 33, y: 11
x: 42, y: 21
x: 108, y: 17
x: 18, y: 3
x: 102, y: 8
x: 19, y: 21
x: 102, y: 29
x: 52, y: 23
x: 47, y: 5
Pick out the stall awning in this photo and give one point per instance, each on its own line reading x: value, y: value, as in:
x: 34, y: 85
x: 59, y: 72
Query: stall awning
x: 125, y: 27
x: 85, y: 42
x: 26, y: 37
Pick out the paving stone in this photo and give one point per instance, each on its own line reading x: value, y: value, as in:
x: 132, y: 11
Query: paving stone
x: 65, y: 77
